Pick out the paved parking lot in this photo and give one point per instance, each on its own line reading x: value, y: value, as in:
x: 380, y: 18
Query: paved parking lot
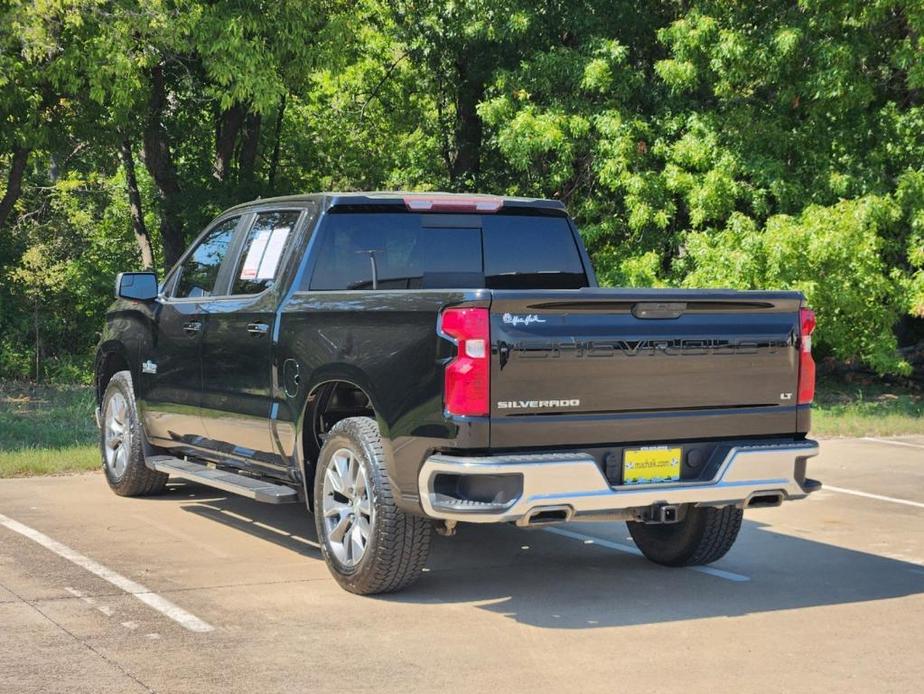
x: 198, y: 591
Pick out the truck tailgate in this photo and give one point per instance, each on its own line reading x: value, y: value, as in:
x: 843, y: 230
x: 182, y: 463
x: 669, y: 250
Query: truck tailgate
x: 641, y: 365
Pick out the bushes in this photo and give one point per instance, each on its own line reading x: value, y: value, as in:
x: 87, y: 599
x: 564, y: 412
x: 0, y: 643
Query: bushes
x: 54, y: 295
x: 910, y: 195
x: 835, y: 255
x: 859, y: 262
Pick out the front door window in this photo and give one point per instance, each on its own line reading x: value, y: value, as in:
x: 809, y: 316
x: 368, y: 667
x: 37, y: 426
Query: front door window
x: 199, y: 272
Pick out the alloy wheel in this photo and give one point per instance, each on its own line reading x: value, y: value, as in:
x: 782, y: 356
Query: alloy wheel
x: 116, y: 435
x: 347, y: 507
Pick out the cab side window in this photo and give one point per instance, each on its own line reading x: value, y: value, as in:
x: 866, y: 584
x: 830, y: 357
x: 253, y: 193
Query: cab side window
x: 199, y: 271
x: 261, y: 255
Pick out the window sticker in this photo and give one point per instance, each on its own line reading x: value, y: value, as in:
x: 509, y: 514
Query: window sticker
x: 273, y: 253
x: 264, y: 254
x: 254, y: 255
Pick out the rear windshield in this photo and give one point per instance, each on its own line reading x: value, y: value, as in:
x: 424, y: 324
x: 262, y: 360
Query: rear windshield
x: 419, y: 251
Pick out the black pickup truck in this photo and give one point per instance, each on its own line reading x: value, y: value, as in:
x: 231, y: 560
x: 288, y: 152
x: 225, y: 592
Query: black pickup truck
x: 404, y: 362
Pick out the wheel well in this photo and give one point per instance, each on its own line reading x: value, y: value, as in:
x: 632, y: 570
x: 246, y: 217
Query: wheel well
x: 327, y: 404
x: 110, y: 364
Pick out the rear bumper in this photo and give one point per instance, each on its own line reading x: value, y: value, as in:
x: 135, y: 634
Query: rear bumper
x: 566, y: 486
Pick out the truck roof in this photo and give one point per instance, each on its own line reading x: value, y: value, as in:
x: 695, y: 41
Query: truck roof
x: 327, y: 200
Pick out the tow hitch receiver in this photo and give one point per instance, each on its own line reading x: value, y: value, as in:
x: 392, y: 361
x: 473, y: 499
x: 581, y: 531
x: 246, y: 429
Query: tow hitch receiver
x: 658, y: 514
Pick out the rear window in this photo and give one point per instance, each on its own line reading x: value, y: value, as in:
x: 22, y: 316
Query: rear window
x: 416, y: 251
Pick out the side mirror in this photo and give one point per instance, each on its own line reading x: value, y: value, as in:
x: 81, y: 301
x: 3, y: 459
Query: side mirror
x: 137, y: 286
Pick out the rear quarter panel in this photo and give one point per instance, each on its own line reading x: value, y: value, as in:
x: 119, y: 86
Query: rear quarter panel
x: 386, y: 343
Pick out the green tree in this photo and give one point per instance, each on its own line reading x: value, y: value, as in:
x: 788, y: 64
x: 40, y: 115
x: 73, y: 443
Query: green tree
x: 710, y: 142
x: 663, y: 131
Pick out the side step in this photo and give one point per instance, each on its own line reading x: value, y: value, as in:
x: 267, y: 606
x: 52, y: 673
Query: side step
x: 251, y: 487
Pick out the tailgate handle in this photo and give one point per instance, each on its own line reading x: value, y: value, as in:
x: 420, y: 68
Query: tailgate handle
x: 654, y: 310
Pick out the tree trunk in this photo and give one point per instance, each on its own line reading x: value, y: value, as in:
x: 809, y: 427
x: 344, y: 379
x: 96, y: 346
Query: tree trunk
x: 142, y: 237
x: 158, y: 159
x: 247, y: 158
x: 226, y: 131
x: 13, y: 182
x: 277, y: 138
x: 38, y: 342
x: 467, y: 162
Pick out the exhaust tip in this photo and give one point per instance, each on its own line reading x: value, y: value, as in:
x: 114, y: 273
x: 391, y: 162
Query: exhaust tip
x: 546, y: 515
x: 765, y: 500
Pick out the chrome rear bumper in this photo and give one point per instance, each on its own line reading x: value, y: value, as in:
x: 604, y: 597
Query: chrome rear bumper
x: 573, y: 485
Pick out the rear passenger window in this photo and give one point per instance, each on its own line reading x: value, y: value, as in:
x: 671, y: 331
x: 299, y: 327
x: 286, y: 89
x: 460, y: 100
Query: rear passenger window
x: 393, y: 251
x: 262, y: 252
x: 199, y: 271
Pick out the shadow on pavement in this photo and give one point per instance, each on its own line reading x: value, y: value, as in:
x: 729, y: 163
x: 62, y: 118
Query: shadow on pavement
x: 546, y: 580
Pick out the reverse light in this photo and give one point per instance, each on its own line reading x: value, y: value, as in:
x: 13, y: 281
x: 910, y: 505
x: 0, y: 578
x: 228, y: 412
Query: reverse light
x: 467, y: 380
x: 453, y: 203
x: 806, y: 363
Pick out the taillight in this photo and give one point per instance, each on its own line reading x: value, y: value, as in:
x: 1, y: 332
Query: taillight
x: 806, y: 363
x: 467, y: 387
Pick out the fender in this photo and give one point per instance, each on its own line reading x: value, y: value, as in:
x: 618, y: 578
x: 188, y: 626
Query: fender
x: 333, y: 373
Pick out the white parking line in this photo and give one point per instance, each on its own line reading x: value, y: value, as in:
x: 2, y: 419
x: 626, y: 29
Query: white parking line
x: 90, y: 601
x: 149, y: 598
x: 892, y: 441
x: 278, y: 531
x: 878, y: 497
x: 589, y: 539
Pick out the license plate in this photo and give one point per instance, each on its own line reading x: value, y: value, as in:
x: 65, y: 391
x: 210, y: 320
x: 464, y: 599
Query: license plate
x: 651, y: 465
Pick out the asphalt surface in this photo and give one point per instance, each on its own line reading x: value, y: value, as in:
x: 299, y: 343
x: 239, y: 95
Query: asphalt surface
x: 196, y: 591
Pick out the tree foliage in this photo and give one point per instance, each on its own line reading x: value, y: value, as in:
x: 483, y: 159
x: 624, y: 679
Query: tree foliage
x: 759, y: 144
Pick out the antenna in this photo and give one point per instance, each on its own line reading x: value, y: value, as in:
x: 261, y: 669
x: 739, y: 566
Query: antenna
x: 375, y: 269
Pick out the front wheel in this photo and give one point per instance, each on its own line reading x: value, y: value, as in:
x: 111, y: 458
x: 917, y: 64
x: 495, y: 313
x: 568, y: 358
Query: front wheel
x: 370, y: 545
x: 122, y: 444
x: 702, y: 537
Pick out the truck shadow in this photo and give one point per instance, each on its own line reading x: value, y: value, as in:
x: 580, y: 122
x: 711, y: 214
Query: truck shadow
x: 552, y: 581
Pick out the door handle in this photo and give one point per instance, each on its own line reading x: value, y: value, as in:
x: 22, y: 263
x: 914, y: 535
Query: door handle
x: 257, y: 329
x: 192, y: 326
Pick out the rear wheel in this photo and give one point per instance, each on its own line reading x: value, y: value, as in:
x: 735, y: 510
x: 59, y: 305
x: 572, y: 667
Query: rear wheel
x: 703, y: 536
x: 369, y: 544
x: 122, y: 444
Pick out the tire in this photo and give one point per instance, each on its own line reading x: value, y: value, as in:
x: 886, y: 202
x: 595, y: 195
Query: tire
x: 122, y: 444
x: 702, y: 537
x: 370, y: 545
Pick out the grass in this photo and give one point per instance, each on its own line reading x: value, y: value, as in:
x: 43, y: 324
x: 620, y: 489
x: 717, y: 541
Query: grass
x: 864, y: 406
x: 48, y: 430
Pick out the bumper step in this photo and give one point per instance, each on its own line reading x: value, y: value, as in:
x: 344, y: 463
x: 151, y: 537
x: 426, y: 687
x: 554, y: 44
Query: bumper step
x: 251, y: 487
x: 810, y: 485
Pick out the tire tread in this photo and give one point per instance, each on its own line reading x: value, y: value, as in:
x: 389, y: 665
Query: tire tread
x: 138, y: 479
x: 704, y: 536
x: 719, y: 534
x: 402, y: 540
